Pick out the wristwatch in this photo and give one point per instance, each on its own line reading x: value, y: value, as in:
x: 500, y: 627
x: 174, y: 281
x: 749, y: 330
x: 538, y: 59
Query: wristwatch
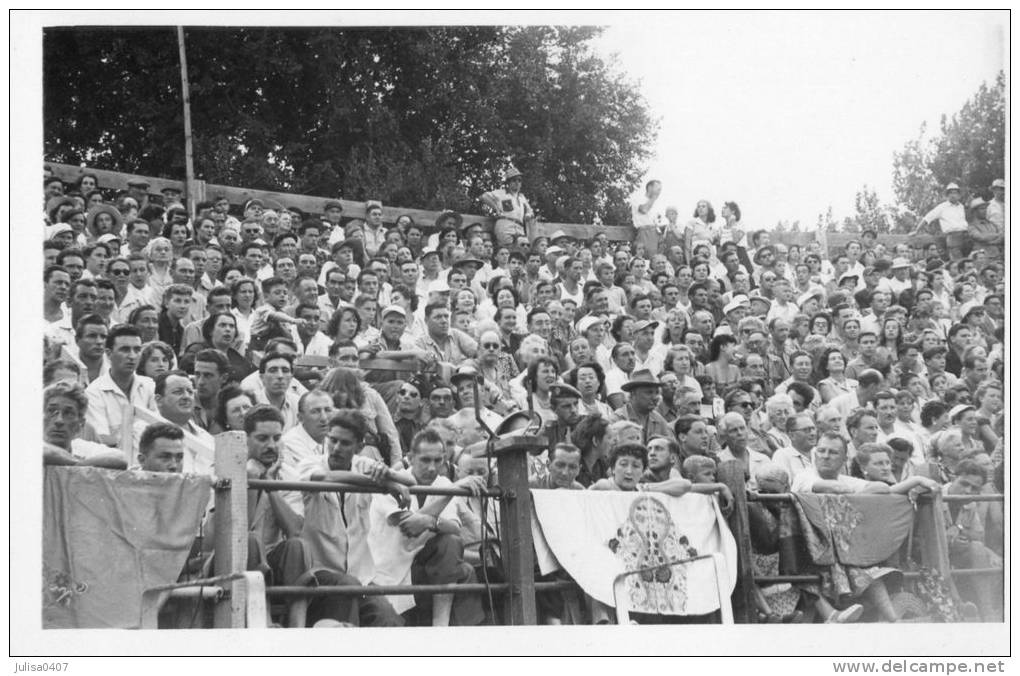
x: 435, y: 525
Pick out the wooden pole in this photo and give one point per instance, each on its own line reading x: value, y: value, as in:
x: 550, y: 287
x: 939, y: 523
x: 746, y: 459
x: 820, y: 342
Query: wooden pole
x: 189, y: 162
x: 731, y: 473
x: 516, y: 546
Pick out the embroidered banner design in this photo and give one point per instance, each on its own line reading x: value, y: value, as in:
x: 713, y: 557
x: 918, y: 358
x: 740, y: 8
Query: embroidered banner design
x: 597, y: 535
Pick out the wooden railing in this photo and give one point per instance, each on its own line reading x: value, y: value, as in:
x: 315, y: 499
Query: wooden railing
x: 201, y: 191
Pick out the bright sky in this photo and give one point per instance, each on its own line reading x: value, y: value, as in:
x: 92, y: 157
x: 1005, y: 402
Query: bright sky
x: 787, y: 113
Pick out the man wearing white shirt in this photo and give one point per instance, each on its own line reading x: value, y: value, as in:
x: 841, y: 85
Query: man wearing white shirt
x: 138, y: 291
x: 335, y: 533
x: 643, y: 211
x: 276, y: 371
x: 997, y: 207
x: 315, y: 408
x: 64, y: 407
x: 796, y: 458
x: 375, y: 233
x: 952, y: 221
x: 111, y: 393
x: 175, y: 403
x: 312, y: 341
x: 441, y: 559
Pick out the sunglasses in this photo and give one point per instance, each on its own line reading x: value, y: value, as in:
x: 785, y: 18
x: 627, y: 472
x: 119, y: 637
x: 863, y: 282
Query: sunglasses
x: 745, y: 404
x: 490, y: 346
x: 410, y: 393
x: 120, y: 272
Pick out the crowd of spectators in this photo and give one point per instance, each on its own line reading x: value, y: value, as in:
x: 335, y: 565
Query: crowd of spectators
x: 353, y: 350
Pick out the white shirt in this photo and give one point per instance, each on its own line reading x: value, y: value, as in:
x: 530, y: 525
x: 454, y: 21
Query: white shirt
x: 298, y: 446
x: 615, y: 379
x: 805, y: 481
x: 134, y: 298
x: 289, y: 409
x: 639, y: 219
x: 107, y: 402
x: 792, y: 461
x: 951, y: 217
x: 335, y: 535
x: 318, y: 346
x: 755, y: 459
x: 199, y: 445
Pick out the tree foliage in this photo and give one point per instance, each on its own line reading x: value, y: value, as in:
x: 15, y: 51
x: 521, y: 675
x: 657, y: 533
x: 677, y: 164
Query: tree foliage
x: 869, y: 212
x: 418, y: 117
x: 969, y: 149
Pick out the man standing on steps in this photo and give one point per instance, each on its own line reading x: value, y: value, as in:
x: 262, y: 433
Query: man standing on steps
x: 952, y: 222
x: 513, y: 212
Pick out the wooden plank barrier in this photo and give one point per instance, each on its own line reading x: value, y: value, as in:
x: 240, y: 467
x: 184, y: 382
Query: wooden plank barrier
x: 313, y: 205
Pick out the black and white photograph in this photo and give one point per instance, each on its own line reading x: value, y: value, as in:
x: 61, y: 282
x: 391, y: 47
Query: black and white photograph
x: 480, y: 333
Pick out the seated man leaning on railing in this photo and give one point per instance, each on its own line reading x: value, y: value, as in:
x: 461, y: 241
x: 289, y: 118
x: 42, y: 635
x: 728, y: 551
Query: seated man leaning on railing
x: 965, y: 526
x: 338, y: 527
x: 827, y: 476
x: 288, y: 542
x: 64, y: 407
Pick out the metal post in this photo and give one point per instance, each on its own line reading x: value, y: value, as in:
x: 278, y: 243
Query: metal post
x: 231, y: 524
x: 516, y: 546
x: 189, y: 164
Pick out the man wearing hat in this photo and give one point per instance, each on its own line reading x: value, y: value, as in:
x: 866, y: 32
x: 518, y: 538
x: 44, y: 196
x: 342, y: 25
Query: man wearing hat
x: 564, y: 241
x: 332, y: 211
x: 983, y: 231
x: 733, y: 312
x: 513, y: 212
x: 900, y: 281
x: 997, y: 207
x: 645, y: 392
x: 952, y: 221
x: 171, y: 195
x: 396, y: 344
x: 647, y: 355
x: 764, y: 260
x: 138, y: 189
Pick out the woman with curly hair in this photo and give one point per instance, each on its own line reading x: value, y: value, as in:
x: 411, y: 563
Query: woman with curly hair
x: 156, y: 359
x: 244, y: 297
x: 232, y: 403
x: 830, y: 372
x: 623, y: 329
x: 542, y: 374
x: 701, y: 229
x: 890, y: 339
x: 344, y: 325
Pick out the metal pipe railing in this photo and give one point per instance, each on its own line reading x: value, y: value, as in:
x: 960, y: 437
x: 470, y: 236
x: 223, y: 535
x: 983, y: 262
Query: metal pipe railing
x: 335, y: 487
x: 403, y: 590
x: 907, y: 575
x: 788, y: 497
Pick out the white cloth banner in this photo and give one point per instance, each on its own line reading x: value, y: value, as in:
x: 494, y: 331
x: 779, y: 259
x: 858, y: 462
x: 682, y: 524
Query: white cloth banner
x: 596, y: 535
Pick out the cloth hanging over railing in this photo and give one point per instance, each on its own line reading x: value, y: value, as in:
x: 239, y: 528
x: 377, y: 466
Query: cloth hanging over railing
x: 108, y: 536
x: 597, y: 535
